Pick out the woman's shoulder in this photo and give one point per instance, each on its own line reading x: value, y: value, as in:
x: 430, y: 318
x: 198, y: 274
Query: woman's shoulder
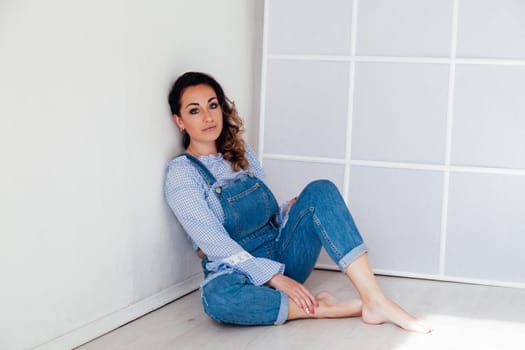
x: 180, y: 163
x: 181, y: 169
x: 180, y: 160
x: 248, y: 150
x: 255, y: 166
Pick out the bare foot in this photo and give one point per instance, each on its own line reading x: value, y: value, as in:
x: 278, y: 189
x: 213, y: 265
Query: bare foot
x: 331, y: 307
x: 388, y: 311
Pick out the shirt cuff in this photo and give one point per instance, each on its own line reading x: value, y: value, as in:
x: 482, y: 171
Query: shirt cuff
x: 282, y: 218
x: 259, y: 270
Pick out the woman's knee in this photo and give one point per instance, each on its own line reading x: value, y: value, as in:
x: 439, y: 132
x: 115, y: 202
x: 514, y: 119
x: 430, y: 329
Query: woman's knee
x: 233, y: 299
x: 219, y: 296
x: 320, y: 187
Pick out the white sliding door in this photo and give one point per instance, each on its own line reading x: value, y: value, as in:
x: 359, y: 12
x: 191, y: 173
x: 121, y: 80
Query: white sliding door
x: 415, y: 110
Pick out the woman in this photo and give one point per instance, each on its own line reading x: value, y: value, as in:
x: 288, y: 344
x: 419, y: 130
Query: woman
x: 255, y: 253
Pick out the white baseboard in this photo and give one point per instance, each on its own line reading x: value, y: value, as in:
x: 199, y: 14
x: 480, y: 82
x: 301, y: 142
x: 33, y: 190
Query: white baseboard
x: 118, y: 318
x: 443, y: 278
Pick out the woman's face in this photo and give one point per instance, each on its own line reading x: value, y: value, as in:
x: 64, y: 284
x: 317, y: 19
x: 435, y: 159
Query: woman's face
x: 200, y: 114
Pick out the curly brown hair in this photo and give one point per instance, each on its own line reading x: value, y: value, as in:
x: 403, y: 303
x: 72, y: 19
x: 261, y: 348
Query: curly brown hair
x: 230, y: 142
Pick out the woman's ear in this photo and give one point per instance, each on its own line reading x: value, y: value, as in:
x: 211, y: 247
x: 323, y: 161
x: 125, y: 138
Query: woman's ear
x: 179, y: 122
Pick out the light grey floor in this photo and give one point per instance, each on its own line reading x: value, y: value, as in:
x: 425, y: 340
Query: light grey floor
x: 463, y: 316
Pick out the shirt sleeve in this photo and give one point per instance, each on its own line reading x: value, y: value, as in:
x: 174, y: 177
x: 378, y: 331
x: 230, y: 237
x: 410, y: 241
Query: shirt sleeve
x: 186, y: 197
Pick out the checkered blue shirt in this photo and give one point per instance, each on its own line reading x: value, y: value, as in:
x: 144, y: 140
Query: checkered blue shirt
x: 200, y: 213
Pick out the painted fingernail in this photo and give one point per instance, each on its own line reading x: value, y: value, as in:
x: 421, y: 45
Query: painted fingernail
x: 307, y: 310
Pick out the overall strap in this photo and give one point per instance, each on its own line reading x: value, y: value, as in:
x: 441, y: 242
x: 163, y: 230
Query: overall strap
x: 206, y: 174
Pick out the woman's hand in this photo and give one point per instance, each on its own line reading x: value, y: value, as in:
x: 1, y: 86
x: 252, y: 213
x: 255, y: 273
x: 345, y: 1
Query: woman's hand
x: 295, y: 291
x: 201, y: 254
x: 290, y: 203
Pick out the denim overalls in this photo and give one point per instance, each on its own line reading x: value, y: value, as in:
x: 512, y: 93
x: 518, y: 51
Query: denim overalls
x: 318, y: 218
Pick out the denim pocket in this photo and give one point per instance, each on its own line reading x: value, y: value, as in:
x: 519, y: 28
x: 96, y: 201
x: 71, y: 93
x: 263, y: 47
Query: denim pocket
x: 251, y: 209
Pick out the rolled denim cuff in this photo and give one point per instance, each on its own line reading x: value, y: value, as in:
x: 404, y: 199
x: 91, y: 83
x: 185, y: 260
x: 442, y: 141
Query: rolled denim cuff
x: 283, y: 309
x: 351, y: 256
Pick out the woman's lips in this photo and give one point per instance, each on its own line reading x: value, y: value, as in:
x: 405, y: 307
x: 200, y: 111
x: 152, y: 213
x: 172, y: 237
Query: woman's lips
x: 210, y: 128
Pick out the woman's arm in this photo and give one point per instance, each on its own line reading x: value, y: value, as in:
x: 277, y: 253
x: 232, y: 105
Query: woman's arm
x: 186, y: 197
x: 297, y: 292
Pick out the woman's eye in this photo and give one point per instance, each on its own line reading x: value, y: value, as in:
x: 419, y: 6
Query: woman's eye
x: 194, y: 111
x: 214, y: 105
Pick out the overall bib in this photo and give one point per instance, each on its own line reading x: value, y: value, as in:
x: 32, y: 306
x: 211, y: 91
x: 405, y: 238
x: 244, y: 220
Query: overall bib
x: 318, y: 218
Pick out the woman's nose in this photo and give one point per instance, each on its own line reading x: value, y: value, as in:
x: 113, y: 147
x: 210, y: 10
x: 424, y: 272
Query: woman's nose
x: 206, y: 116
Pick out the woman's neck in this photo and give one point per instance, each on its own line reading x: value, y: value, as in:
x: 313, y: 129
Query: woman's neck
x: 198, y: 150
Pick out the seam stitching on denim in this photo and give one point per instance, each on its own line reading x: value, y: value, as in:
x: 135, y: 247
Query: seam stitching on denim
x: 325, y: 235
x: 297, y: 222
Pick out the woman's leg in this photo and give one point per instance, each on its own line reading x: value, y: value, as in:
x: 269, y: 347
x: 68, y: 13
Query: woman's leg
x: 329, y: 307
x: 231, y: 298
x: 300, y: 242
x: 320, y: 217
x: 377, y: 308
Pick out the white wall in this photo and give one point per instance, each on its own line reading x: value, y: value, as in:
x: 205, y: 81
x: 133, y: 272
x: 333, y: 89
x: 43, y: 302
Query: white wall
x: 415, y: 110
x: 86, y: 240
